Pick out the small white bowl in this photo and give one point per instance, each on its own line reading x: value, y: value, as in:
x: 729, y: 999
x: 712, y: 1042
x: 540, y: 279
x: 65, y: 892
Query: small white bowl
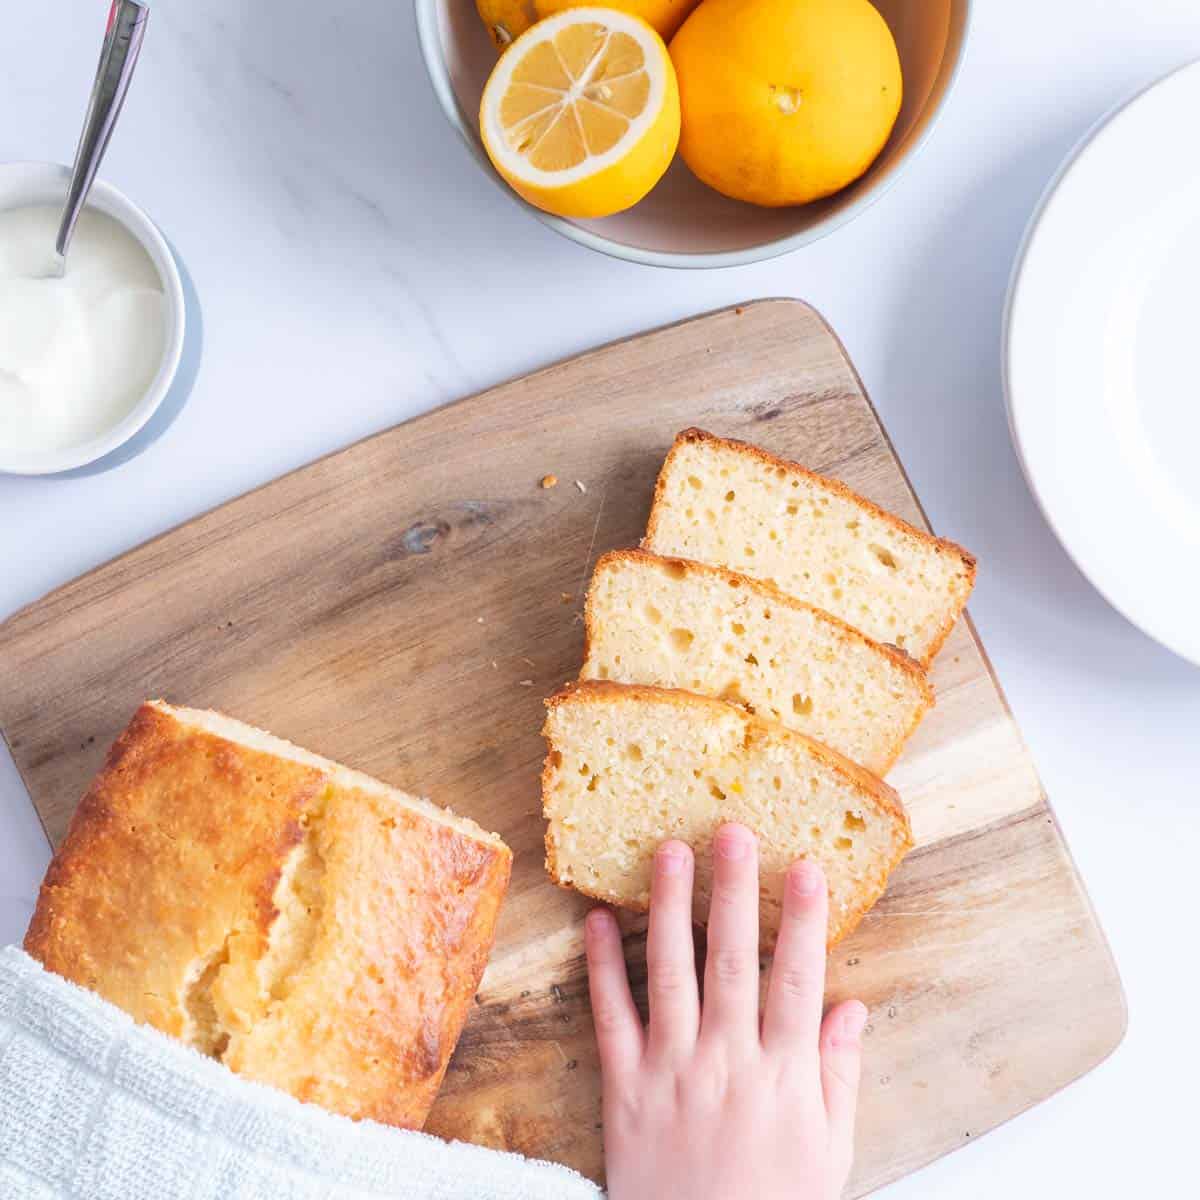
x: 26, y: 183
x: 683, y: 223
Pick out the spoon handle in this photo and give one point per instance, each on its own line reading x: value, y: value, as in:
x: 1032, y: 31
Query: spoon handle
x: 118, y: 56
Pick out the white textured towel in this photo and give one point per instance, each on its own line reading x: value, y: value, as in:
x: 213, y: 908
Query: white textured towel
x: 94, y: 1107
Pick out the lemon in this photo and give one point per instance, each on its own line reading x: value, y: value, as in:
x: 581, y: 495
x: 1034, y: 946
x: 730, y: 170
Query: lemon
x: 581, y: 115
x: 785, y: 101
x: 506, y: 20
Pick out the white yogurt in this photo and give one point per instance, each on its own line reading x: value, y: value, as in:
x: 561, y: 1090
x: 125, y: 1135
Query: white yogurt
x: 77, y: 353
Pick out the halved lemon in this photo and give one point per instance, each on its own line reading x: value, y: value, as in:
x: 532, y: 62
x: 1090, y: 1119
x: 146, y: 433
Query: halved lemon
x: 581, y: 115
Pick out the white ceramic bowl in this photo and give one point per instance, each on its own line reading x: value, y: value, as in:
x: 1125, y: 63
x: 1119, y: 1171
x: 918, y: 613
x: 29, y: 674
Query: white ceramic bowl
x: 24, y: 183
x: 683, y: 223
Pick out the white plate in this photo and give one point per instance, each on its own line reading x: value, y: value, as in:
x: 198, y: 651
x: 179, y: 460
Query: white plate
x: 1102, y: 359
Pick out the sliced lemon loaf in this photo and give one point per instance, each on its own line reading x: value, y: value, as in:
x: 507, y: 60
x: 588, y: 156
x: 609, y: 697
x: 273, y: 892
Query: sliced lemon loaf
x: 729, y: 503
x: 681, y: 624
x: 629, y: 766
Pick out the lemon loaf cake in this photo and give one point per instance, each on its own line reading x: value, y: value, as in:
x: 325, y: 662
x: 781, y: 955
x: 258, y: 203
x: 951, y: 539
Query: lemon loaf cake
x: 304, y: 924
x: 629, y: 766
x: 735, y: 505
x: 680, y: 624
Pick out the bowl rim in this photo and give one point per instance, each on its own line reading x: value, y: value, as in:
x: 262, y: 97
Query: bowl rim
x: 35, y: 176
x: 957, y: 41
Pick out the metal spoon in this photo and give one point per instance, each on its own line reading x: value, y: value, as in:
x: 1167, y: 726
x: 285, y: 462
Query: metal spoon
x: 118, y: 56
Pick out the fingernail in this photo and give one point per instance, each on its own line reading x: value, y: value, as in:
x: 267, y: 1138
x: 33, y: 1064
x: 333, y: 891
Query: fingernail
x: 733, y: 843
x: 804, y: 879
x: 853, y: 1022
x: 598, y: 920
x: 671, y: 860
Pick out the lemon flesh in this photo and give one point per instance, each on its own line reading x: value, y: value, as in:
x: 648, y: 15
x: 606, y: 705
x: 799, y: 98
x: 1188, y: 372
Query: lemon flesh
x: 581, y: 115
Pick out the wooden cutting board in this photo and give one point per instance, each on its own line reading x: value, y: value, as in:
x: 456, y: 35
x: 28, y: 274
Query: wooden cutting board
x: 405, y: 604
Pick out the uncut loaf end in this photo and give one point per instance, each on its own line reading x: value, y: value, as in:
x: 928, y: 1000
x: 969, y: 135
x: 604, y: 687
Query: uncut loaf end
x: 302, y: 923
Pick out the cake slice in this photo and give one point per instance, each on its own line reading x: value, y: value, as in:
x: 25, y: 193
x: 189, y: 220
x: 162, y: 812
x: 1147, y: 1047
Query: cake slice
x: 629, y: 766
x: 732, y: 504
x: 308, y: 926
x: 680, y: 624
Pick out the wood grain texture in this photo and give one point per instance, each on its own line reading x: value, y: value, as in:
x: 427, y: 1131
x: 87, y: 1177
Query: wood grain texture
x: 404, y: 605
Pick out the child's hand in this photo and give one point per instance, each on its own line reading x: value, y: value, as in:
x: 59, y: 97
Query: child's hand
x: 709, y: 1105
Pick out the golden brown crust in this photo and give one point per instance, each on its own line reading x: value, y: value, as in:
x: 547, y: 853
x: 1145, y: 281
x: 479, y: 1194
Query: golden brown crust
x: 416, y: 904
x: 117, y: 910
x: 600, y: 691
x: 174, y: 859
x: 694, y: 435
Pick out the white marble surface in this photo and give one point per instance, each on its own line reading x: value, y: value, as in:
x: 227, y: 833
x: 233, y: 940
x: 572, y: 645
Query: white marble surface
x: 352, y: 268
